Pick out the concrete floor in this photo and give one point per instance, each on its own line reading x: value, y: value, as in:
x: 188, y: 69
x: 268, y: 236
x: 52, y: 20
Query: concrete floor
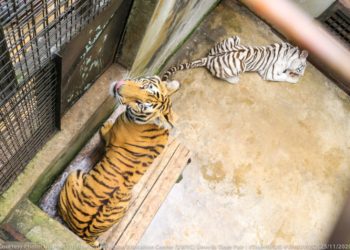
x: 270, y: 160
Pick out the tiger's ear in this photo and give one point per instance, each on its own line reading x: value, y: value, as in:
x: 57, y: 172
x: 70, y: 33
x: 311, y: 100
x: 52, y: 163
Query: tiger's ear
x: 304, y: 54
x: 172, y: 86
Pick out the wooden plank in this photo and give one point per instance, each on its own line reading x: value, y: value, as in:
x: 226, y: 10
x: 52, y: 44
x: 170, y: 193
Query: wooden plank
x: 135, y: 230
x: 16, y: 240
x: 13, y: 233
x: 148, y: 195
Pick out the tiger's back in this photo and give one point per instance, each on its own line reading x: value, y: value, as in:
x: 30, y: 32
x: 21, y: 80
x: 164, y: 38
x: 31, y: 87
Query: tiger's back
x: 92, y: 202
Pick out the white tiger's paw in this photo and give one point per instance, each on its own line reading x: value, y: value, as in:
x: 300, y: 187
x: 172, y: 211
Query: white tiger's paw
x: 292, y: 79
x: 232, y: 80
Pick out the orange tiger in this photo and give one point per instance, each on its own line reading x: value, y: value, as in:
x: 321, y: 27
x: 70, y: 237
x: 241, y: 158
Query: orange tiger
x: 90, y: 203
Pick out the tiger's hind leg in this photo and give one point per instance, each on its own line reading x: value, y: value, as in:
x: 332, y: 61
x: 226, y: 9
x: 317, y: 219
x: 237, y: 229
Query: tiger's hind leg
x: 232, y: 80
x: 68, y: 194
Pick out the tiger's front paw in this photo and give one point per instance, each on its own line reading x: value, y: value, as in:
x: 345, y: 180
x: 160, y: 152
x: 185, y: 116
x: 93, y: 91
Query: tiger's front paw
x: 232, y: 80
x: 106, y: 127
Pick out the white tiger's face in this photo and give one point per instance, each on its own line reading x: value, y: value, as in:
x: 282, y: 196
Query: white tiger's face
x: 297, y: 67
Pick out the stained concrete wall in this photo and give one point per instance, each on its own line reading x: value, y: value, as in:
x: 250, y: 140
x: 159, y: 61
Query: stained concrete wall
x: 91, y: 52
x: 314, y: 7
x: 171, y: 23
x: 139, y: 18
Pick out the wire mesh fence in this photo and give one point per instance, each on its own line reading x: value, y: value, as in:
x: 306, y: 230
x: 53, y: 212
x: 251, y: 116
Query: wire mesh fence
x: 27, y: 120
x: 31, y: 32
x: 337, y: 19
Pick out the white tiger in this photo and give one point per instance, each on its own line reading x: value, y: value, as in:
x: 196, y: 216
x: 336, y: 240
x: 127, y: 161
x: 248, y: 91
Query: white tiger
x: 227, y: 59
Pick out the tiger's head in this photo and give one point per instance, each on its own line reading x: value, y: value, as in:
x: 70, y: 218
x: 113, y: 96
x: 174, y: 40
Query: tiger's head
x: 147, y: 99
x: 296, y: 66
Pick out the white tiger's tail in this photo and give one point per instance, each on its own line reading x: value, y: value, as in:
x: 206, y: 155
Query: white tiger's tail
x: 194, y: 64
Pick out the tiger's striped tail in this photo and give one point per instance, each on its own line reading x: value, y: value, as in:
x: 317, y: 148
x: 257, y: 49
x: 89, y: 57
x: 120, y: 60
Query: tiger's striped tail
x: 194, y: 64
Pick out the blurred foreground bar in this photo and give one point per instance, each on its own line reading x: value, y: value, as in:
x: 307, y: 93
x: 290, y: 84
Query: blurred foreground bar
x: 341, y: 232
x: 326, y: 52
